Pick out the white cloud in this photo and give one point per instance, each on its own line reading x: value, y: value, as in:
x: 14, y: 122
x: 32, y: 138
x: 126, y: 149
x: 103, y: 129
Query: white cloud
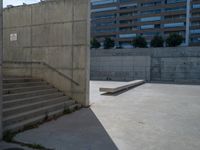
x: 18, y: 2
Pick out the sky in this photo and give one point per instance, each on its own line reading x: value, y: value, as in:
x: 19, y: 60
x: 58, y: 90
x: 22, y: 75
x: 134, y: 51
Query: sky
x: 18, y: 2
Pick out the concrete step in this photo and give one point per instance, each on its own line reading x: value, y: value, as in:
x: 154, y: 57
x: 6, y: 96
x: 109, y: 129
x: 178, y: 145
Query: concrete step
x: 23, y: 108
x: 28, y: 101
x: 28, y: 94
x: 20, y: 80
x: 75, y: 107
x: 19, y: 102
x: 23, y: 84
x: 35, y: 120
x: 120, y: 86
x: 25, y: 89
x: 43, y: 111
x: 17, y: 77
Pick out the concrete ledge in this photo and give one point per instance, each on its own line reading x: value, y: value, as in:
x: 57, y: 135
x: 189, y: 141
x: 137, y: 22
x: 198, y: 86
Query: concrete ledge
x: 121, y: 86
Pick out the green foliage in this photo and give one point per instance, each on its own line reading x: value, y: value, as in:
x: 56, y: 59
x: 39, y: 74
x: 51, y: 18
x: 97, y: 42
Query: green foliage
x: 139, y: 41
x: 94, y: 43
x: 67, y: 111
x: 8, y: 136
x: 157, y: 41
x: 36, y: 146
x: 108, y: 43
x: 30, y: 126
x: 174, y: 40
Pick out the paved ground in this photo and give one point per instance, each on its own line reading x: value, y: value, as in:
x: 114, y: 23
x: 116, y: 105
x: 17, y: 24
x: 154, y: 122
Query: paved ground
x: 7, y: 146
x: 149, y: 117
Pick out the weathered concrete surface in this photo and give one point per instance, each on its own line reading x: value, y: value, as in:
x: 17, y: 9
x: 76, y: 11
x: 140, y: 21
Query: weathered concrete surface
x: 1, y: 50
x: 55, y: 32
x: 150, y: 117
x: 120, y: 68
x: 81, y: 130
x: 120, y: 86
x: 179, y: 64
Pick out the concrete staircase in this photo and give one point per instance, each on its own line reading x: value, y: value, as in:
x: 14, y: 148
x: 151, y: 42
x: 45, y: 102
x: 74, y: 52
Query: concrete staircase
x: 28, y: 101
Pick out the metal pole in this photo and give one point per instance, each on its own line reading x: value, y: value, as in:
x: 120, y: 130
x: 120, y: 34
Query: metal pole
x: 187, y: 31
x: 1, y: 78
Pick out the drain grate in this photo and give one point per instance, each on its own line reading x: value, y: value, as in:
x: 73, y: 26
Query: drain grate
x: 14, y: 149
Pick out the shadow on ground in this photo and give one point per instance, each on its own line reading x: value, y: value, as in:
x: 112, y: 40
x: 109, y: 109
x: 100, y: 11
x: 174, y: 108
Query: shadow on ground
x: 78, y: 131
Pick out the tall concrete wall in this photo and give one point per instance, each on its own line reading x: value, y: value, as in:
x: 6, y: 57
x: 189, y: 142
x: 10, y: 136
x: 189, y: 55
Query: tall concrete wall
x: 181, y: 64
x: 55, y: 32
x: 1, y: 49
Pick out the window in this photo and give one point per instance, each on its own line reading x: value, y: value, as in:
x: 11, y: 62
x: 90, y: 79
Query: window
x: 104, y: 17
x: 127, y: 6
x: 126, y: 14
x: 195, y: 40
x: 197, y: 14
x: 174, y: 1
x: 105, y: 23
x: 150, y: 33
x: 126, y: 44
x: 151, y: 4
x: 175, y: 9
x: 126, y: 22
x: 121, y: 1
x: 172, y: 25
x: 147, y: 27
x: 101, y: 2
x: 127, y: 35
x: 106, y: 30
x: 156, y: 11
x: 195, y: 23
x: 175, y: 17
x: 195, y: 31
x: 104, y: 9
x: 150, y: 19
x: 196, y: 6
x: 176, y: 32
x: 157, y: 26
x: 125, y: 29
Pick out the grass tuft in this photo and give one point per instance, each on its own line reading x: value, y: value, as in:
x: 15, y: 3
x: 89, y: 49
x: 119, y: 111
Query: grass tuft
x: 67, y: 111
x: 36, y: 146
x: 8, y: 136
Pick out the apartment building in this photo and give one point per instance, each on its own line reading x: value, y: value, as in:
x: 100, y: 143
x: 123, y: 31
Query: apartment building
x: 122, y: 20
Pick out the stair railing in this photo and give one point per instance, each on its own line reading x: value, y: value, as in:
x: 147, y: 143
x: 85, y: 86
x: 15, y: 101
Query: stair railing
x: 45, y: 65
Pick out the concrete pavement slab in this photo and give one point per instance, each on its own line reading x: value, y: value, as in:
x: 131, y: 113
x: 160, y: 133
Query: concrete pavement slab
x: 149, y: 117
x: 10, y: 146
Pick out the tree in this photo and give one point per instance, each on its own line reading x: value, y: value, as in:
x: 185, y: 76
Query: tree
x: 108, y: 43
x: 157, y: 41
x: 94, y: 43
x: 174, y: 40
x: 139, y: 41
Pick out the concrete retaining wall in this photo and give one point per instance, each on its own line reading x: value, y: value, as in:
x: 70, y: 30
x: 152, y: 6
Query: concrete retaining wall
x: 55, y: 32
x: 181, y: 64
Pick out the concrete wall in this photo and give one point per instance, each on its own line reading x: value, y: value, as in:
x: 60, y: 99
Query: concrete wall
x: 119, y: 68
x: 55, y: 32
x: 181, y: 64
x: 1, y: 49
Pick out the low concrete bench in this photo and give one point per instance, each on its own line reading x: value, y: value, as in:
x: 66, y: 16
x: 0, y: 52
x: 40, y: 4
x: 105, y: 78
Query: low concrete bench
x: 121, y: 86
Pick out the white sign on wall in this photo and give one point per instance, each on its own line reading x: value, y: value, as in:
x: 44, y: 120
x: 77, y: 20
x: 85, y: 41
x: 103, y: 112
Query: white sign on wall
x: 13, y: 37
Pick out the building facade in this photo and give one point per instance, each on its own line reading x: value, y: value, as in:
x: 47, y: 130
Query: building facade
x: 122, y: 20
